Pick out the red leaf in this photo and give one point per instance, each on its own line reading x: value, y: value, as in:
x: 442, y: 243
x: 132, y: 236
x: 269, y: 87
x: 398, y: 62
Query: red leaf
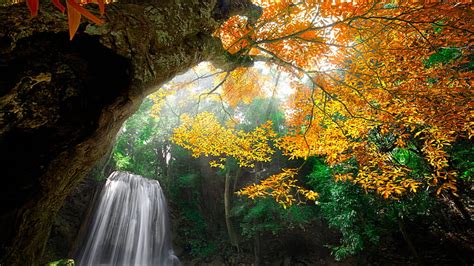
x: 33, y: 6
x: 58, y: 5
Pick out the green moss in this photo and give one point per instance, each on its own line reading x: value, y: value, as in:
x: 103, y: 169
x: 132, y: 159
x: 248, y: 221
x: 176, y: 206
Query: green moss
x: 63, y: 262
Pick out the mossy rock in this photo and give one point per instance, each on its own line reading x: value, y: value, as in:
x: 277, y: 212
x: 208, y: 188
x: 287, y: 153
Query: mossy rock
x: 63, y: 262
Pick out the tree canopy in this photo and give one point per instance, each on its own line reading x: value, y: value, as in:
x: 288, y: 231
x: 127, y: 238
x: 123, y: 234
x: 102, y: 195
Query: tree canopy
x: 375, y: 83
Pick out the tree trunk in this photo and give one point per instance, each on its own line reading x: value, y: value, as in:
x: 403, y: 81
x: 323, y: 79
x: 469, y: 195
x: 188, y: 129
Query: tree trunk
x: 408, y: 241
x: 227, y: 205
x: 461, y: 208
x: 62, y: 102
x: 256, y: 249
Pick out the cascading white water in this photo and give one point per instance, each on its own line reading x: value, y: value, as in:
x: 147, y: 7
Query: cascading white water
x: 130, y: 225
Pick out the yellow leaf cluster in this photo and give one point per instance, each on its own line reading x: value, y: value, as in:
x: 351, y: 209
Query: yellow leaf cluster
x: 282, y: 187
x: 158, y: 99
x: 204, y: 135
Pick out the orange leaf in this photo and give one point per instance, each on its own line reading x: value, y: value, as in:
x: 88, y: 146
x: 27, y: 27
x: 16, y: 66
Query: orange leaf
x: 310, y: 35
x: 73, y: 19
x: 84, y: 12
x: 101, y: 6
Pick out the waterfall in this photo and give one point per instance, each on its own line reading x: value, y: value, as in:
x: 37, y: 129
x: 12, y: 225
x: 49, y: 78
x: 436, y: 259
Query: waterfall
x: 130, y: 225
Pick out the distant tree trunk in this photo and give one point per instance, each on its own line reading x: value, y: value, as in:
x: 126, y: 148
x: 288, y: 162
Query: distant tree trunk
x: 408, y: 241
x: 256, y: 249
x: 227, y: 206
x: 62, y: 102
x: 162, y: 152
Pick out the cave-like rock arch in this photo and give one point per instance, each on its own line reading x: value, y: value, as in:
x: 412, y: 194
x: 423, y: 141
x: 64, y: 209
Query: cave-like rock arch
x: 62, y: 102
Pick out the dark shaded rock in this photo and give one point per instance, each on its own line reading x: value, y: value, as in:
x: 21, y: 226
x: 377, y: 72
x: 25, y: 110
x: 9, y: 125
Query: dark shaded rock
x: 55, y: 102
x: 67, y: 224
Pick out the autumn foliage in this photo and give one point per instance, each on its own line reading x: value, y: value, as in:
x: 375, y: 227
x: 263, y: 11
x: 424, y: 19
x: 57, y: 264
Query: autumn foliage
x: 283, y: 187
x: 204, y: 135
x: 75, y: 11
x: 372, y: 79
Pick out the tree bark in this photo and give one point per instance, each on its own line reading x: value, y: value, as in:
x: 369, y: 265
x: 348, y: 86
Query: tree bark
x: 408, y: 241
x: 62, y: 102
x: 256, y: 249
x: 227, y: 206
